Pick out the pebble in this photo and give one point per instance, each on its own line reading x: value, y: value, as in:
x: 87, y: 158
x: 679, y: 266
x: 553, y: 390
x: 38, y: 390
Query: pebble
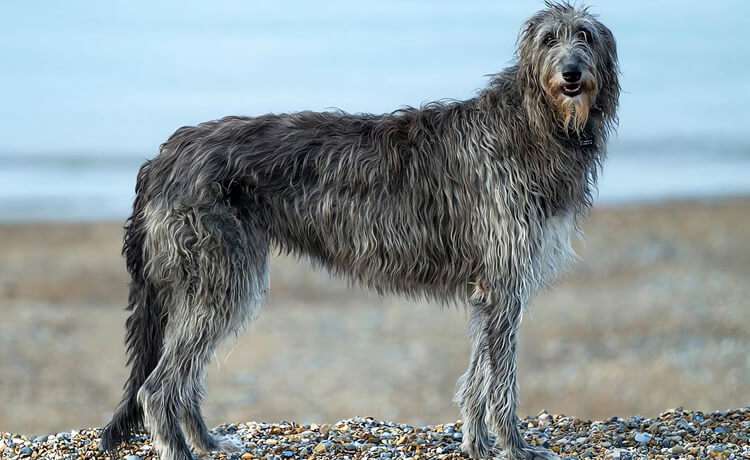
x: 677, y: 450
x: 675, y: 434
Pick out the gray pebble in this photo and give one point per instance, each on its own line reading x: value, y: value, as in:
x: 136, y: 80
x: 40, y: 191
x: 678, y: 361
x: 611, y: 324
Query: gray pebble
x: 642, y: 438
x: 621, y: 454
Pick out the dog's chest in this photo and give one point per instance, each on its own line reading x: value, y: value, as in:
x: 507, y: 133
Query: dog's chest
x: 554, y: 252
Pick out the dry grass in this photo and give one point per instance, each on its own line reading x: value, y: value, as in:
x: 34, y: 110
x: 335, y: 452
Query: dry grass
x: 655, y: 316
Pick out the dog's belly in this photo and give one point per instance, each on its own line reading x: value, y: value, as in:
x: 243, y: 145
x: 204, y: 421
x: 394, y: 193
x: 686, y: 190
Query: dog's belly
x: 385, y: 245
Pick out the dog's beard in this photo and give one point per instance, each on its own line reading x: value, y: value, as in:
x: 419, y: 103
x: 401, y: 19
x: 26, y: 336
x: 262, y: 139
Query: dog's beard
x: 573, y: 112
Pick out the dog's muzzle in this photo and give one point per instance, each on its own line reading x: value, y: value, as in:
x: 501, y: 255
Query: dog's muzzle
x: 572, y: 76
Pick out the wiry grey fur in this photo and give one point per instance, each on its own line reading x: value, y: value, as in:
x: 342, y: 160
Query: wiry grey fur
x: 470, y: 201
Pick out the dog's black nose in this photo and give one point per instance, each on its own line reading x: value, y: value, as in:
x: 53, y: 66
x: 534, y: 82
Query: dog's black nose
x: 571, y: 73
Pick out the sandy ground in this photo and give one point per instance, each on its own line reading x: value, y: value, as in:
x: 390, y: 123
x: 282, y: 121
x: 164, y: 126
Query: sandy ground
x: 655, y: 316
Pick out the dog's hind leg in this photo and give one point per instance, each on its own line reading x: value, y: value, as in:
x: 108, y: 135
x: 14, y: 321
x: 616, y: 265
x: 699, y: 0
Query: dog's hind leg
x: 214, y: 269
x: 145, y: 328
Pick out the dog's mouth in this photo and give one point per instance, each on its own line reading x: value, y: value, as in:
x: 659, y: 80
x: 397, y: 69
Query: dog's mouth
x: 572, y: 89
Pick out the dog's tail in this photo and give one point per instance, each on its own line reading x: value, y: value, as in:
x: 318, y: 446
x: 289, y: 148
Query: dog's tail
x: 145, y: 326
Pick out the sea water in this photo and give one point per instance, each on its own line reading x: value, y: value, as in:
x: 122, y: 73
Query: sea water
x: 89, y: 90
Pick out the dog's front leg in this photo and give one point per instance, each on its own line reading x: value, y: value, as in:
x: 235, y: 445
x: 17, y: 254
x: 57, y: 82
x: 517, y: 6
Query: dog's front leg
x: 471, y: 395
x: 502, y: 321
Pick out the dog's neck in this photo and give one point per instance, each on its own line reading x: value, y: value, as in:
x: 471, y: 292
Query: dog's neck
x: 568, y: 187
x: 583, y: 138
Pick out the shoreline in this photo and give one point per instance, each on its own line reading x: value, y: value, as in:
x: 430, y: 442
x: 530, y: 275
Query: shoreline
x: 608, y: 205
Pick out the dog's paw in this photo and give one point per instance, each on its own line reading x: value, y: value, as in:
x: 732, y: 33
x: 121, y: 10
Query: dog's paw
x: 530, y: 453
x: 476, y: 448
x: 230, y: 444
x: 540, y: 453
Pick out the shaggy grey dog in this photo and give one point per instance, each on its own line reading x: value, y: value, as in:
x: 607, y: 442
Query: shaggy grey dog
x: 470, y: 201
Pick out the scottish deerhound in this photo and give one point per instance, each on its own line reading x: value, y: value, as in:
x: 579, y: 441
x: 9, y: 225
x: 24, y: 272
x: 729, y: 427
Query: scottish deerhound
x: 471, y: 201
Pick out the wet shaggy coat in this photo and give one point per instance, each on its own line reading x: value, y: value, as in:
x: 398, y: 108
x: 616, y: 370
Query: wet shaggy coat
x: 469, y: 201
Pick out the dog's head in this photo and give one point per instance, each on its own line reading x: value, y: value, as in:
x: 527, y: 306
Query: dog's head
x: 568, y: 59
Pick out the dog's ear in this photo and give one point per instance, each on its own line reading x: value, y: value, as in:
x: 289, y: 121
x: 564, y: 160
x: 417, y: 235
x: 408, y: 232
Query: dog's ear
x: 609, y: 45
x: 526, y: 50
x: 609, y: 82
x: 525, y: 39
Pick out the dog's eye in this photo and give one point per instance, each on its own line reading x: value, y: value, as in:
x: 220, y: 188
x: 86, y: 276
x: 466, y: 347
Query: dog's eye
x: 548, y: 39
x: 586, y: 35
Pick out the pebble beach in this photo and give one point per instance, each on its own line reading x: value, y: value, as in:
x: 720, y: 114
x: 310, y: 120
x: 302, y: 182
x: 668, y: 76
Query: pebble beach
x: 675, y: 434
